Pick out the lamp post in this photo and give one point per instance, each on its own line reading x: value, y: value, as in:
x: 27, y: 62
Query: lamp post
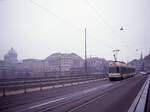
x: 59, y: 60
x: 85, y: 54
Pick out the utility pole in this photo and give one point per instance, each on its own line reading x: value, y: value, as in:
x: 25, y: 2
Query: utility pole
x: 142, y: 62
x: 59, y: 60
x: 85, y: 54
x: 115, y: 54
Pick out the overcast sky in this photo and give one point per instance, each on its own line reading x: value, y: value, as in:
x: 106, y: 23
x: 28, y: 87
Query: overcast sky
x: 38, y: 28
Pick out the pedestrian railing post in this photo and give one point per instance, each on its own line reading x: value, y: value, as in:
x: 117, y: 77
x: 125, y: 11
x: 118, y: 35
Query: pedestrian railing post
x: 40, y: 85
x: 4, y: 94
x: 25, y: 89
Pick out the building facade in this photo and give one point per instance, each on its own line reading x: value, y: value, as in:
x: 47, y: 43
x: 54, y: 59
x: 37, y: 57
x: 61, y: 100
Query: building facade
x: 57, y: 64
x: 54, y: 65
x: 62, y: 63
x: 97, y: 65
x: 11, y: 56
x: 147, y: 63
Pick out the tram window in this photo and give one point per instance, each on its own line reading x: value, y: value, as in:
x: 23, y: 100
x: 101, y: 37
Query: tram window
x: 127, y: 70
x: 117, y: 69
x: 123, y: 70
x: 113, y: 69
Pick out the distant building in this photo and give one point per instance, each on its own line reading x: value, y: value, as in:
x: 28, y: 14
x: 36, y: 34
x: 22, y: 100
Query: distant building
x: 7, y: 66
x: 57, y: 64
x: 33, y: 67
x: 3, y: 68
x: 147, y: 63
x: 139, y: 64
x: 97, y: 65
x: 62, y: 63
x: 53, y: 65
x: 11, y: 56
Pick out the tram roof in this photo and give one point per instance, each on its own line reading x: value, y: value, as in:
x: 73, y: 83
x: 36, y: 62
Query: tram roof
x: 119, y: 63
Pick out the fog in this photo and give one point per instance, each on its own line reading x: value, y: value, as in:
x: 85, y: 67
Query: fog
x: 38, y: 28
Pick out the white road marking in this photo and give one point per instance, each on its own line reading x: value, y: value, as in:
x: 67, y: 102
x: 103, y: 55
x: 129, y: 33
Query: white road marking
x: 42, y: 104
x: 71, y: 95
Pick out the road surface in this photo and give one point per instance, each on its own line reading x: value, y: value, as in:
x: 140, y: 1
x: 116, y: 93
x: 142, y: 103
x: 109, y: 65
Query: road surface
x: 98, y: 96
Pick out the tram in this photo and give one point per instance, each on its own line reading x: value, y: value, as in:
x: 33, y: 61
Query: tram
x: 120, y: 70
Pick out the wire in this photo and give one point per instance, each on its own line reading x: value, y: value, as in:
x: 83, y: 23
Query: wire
x: 104, y: 20
x: 65, y: 21
x: 52, y: 13
x: 99, y: 15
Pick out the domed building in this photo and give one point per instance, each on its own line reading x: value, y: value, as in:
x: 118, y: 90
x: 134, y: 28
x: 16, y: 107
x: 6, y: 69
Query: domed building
x: 11, y: 56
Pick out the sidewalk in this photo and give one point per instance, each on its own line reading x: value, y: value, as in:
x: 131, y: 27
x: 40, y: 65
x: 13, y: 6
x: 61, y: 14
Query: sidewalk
x: 148, y: 101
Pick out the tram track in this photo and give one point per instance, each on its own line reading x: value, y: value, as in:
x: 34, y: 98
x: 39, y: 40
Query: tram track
x: 98, y: 98
x: 72, y: 100
x: 62, y: 101
x: 25, y: 99
x: 24, y: 87
x: 82, y: 100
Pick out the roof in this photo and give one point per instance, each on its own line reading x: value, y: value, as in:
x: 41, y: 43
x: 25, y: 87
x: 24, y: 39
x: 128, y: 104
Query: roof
x: 57, y: 55
x: 12, y: 52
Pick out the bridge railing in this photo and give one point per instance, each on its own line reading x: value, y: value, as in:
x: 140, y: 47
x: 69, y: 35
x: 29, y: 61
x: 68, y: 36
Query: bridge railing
x: 139, y: 104
x: 21, y: 86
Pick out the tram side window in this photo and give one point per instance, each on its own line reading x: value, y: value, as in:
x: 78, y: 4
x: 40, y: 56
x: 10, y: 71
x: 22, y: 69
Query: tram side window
x: 113, y: 69
x: 123, y: 70
x: 118, y: 70
x: 128, y: 70
x: 133, y: 70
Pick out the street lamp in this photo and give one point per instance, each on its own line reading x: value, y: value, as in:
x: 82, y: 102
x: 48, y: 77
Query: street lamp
x: 85, y: 55
x: 59, y: 61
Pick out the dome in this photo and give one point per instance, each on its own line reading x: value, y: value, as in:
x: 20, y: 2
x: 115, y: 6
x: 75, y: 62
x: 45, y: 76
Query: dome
x: 6, y: 56
x: 12, y: 52
x: 11, y: 56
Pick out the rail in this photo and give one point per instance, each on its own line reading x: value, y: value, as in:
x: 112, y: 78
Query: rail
x: 139, y: 104
x: 21, y: 86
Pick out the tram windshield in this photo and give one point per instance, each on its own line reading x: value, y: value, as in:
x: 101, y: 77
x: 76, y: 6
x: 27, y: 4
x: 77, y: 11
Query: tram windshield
x: 113, y: 69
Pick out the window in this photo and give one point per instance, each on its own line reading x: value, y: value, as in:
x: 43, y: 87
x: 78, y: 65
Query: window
x: 113, y: 69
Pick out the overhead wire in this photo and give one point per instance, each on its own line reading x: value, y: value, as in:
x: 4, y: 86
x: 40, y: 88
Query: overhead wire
x: 99, y: 15
x: 102, y: 18
x: 97, y: 11
x: 76, y: 27
x: 63, y: 20
x: 54, y: 14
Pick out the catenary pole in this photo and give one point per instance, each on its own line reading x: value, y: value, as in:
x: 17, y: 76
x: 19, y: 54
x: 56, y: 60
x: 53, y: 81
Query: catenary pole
x: 85, y: 54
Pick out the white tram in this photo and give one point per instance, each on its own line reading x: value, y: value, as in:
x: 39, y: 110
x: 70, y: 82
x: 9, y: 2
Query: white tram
x: 120, y: 70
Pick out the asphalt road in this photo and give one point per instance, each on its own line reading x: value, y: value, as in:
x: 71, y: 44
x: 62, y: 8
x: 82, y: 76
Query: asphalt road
x: 117, y: 100
x: 100, y: 96
x: 21, y: 101
x: 11, y: 86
